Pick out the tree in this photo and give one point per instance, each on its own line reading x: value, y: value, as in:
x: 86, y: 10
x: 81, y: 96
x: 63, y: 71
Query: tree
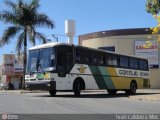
x: 24, y: 18
x: 153, y: 7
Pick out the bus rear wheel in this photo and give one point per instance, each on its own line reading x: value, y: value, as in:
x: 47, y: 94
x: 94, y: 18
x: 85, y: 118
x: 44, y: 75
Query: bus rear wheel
x: 133, y: 88
x: 52, y: 92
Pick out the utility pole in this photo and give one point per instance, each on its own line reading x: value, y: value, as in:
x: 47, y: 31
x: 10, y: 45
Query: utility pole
x: 55, y: 37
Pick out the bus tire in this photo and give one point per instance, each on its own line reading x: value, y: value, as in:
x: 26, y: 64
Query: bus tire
x: 112, y: 92
x: 78, y: 85
x: 77, y: 88
x: 52, y: 92
x: 133, y: 88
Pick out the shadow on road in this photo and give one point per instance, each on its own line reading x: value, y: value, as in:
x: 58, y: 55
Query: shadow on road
x: 85, y: 96
x: 93, y: 95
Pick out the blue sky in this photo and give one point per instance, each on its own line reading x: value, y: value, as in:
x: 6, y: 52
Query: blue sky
x: 90, y: 16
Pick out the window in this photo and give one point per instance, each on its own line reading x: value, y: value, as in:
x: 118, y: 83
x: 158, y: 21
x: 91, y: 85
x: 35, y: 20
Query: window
x: 64, y: 59
x: 46, y: 59
x: 111, y: 60
x: 32, y: 61
x: 82, y: 56
x: 97, y: 59
x: 123, y: 61
x: 133, y: 63
x: 143, y: 65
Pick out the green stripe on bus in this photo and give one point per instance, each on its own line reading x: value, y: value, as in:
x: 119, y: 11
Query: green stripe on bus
x: 100, y: 75
x: 106, y: 78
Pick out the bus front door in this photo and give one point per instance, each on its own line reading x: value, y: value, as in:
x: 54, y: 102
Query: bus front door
x: 64, y: 65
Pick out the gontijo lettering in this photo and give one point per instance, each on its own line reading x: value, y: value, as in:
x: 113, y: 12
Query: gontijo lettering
x: 128, y: 72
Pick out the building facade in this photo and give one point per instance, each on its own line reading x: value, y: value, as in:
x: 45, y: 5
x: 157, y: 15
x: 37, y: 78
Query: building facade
x: 11, y: 70
x: 136, y: 42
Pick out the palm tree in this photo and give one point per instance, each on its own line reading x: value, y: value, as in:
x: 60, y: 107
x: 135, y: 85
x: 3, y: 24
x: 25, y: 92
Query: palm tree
x: 24, y: 19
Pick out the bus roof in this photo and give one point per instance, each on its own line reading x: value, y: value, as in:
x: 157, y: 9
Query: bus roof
x: 52, y: 44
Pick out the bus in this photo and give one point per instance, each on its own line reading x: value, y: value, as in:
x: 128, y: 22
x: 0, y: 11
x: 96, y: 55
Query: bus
x: 67, y: 67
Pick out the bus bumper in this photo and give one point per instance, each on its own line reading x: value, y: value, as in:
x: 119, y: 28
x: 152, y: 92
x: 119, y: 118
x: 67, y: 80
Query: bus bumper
x: 43, y: 85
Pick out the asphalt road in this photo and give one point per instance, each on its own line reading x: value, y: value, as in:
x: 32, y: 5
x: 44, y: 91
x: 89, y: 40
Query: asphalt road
x: 67, y: 103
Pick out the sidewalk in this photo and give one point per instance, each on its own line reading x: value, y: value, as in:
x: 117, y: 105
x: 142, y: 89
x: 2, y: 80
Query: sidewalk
x: 147, y: 94
x: 21, y: 91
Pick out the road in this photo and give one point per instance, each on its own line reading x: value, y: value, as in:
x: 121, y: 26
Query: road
x: 66, y: 103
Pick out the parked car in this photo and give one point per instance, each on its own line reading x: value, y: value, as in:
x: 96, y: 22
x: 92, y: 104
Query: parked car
x: 4, y: 86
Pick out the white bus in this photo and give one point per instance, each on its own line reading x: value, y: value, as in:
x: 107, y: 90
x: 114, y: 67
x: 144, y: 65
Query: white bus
x: 65, y: 67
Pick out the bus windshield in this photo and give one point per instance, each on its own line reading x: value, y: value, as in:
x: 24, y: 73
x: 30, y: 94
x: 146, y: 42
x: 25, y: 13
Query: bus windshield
x: 41, y: 60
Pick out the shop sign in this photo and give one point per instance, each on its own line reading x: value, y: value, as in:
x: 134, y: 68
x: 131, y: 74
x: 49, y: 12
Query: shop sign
x: 8, y: 64
x: 148, y: 50
x: 18, y: 68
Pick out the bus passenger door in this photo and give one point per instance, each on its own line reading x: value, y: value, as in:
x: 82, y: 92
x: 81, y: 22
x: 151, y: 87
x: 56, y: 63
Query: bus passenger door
x: 64, y: 65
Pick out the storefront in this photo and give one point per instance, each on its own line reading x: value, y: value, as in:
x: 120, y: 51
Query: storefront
x: 11, y: 71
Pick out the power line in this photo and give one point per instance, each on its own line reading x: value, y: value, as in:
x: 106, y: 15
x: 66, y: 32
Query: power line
x: 62, y: 35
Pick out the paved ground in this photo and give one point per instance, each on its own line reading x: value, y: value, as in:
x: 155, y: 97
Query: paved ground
x: 143, y: 94
x: 66, y: 103
x: 92, y: 105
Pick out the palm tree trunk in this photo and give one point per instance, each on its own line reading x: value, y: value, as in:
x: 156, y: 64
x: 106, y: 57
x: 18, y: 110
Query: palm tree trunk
x: 24, y: 59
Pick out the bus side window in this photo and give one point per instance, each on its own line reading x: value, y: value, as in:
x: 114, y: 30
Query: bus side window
x: 85, y: 58
x: 143, y: 65
x: 82, y: 56
x: 112, y: 60
x: 97, y: 59
x: 133, y: 63
x: 123, y: 61
x: 77, y: 56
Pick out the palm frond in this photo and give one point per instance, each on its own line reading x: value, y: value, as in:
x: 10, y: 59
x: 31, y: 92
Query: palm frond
x: 8, y: 17
x: 43, y: 20
x: 10, y: 4
x: 41, y: 36
x: 34, y: 5
x: 9, y: 33
x: 20, y: 3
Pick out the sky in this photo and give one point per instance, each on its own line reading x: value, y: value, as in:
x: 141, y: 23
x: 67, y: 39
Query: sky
x: 89, y: 15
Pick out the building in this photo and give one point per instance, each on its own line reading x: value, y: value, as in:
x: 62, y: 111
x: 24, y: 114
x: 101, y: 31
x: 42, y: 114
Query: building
x: 11, y: 70
x: 137, y: 42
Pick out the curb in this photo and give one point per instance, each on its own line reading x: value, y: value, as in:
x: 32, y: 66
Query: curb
x: 21, y: 91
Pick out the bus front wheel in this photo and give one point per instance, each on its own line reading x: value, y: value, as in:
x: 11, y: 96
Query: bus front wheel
x: 52, y: 92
